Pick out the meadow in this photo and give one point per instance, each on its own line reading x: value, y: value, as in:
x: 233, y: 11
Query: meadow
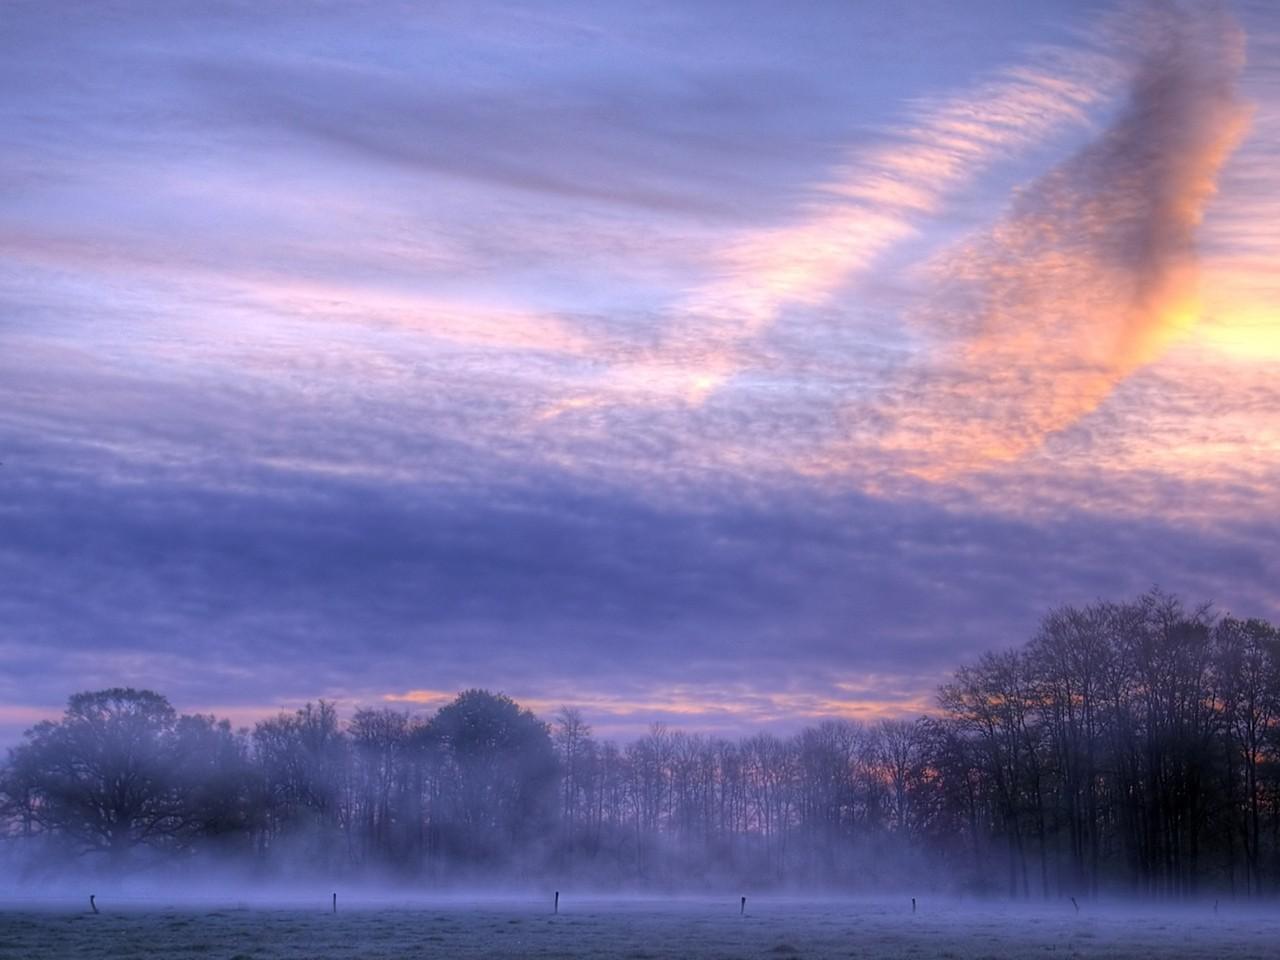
x: 772, y: 928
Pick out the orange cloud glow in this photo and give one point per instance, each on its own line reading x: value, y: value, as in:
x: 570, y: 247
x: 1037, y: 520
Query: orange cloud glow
x: 870, y: 698
x: 1091, y: 276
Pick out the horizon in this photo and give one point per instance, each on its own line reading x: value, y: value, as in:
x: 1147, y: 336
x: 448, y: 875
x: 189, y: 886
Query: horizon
x: 618, y: 724
x: 729, y: 366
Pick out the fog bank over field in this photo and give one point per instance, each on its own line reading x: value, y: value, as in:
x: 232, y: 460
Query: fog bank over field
x: 1128, y: 749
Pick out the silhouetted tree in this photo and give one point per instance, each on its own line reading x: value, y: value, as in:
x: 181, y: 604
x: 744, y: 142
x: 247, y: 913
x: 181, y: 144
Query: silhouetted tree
x: 106, y: 776
x: 1128, y: 746
x: 499, y: 778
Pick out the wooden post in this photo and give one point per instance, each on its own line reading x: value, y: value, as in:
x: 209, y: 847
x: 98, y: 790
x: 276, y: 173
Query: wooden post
x: 913, y: 904
x: 1074, y: 904
x: 742, y: 910
x: 557, y: 907
x: 92, y: 905
x: 335, y: 903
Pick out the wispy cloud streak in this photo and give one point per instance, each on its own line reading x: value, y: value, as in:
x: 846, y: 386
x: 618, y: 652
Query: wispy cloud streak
x: 870, y: 203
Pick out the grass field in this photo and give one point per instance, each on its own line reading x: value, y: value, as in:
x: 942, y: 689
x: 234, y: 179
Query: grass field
x: 646, y: 929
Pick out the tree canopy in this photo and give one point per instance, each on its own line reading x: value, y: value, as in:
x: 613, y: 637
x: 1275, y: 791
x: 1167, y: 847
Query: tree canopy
x: 1126, y: 746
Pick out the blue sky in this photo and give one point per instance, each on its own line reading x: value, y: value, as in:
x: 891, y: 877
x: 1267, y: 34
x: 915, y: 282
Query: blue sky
x: 727, y: 364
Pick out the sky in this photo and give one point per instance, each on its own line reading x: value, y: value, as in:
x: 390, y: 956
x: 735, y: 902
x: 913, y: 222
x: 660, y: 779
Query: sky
x: 724, y: 364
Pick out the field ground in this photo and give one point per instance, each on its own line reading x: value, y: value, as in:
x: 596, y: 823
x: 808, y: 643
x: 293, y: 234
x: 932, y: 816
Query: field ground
x: 642, y: 929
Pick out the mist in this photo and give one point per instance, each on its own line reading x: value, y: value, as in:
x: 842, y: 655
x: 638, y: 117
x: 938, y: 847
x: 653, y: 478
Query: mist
x: 1128, y: 750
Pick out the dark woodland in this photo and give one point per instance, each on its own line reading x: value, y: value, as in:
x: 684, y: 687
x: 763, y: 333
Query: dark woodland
x: 1126, y: 748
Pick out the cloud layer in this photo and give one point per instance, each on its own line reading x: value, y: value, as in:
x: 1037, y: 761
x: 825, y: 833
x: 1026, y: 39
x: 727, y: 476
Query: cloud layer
x: 730, y: 368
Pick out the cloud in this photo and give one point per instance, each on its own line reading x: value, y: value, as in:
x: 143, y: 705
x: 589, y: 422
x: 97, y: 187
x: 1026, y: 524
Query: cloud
x: 597, y: 146
x: 150, y: 560
x: 285, y: 334
x: 1089, y: 277
x: 871, y: 201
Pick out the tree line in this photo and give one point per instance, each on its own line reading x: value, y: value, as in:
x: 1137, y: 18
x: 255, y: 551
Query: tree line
x: 1126, y: 747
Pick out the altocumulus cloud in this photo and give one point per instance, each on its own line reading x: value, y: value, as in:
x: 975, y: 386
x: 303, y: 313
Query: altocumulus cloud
x: 727, y: 367
x: 286, y: 584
